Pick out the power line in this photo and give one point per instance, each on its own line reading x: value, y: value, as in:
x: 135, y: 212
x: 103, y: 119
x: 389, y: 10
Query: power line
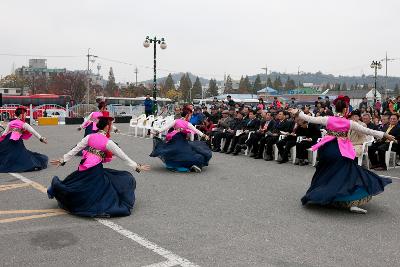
x: 30, y: 55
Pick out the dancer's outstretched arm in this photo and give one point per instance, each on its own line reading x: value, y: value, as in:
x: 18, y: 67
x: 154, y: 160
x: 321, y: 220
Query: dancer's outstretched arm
x: 81, y: 145
x: 116, y: 150
x: 29, y: 128
x: 311, y: 119
x: 361, y: 129
x: 167, y: 126
x: 85, y: 122
x: 6, y: 130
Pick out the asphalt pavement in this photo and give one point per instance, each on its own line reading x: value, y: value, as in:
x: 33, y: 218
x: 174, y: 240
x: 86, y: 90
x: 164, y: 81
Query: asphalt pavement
x: 238, y: 212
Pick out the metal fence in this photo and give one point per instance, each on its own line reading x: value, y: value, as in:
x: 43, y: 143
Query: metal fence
x: 80, y: 110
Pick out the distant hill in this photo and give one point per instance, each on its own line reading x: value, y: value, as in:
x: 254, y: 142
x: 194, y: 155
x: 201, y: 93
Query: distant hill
x: 321, y: 78
x: 315, y: 78
x: 177, y: 76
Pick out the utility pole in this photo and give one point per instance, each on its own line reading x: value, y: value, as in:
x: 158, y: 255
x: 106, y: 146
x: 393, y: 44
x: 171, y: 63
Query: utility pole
x: 87, y: 74
x: 298, y: 74
x: 386, y: 59
x: 266, y: 75
x: 136, y: 72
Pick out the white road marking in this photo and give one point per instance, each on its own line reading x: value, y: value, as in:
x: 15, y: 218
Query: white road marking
x: 172, y: 259
x: 163, y: 264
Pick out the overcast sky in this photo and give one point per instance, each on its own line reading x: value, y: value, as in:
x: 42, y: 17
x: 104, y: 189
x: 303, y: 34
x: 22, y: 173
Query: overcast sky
x: 207, y: 37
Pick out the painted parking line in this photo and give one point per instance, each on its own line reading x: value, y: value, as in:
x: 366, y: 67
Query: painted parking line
x: 31, y: 217
x: 13, y: 186
x: 35, y: 185
x: 5, y: 212
x: 162, y: 264
x: 172, y: 259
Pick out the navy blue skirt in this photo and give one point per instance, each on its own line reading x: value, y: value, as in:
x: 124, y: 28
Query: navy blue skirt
x: 96, y: 192
x: 340, y: 179
x: 181, y: 153
x: 14, y: 157
x: 89, y: 130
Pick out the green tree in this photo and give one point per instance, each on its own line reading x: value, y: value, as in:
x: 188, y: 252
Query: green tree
x: 269, y: 83
x: 397, y: 89
x: 169, y: 83
x: 277, y: 83
x: 212, y: 88
x: 344, y: 87
x: 197, y: 89
x: 111, y: 86
x: 257, y: 84
x: 247, y: 85
x: 14, y: 81
x: 290, y: 84
x: 242, y: 86
x: 185, y: 86
x: 228, y: 85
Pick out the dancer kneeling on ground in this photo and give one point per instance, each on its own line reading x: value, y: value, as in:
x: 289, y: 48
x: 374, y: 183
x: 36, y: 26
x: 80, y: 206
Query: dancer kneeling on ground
x: 338, y: 180
x: 177, y: 152
x: 14, y: 157
x: 92, y: 190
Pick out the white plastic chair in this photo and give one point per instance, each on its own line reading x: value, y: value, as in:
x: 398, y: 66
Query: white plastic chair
x: 275, y: 147
x: 364, y: 156
x: 134, y: 122
x: 313, y: 155
x: 248, y: 149
x: 390, y: 157
x: 146, y: 125
x: 157, y: 125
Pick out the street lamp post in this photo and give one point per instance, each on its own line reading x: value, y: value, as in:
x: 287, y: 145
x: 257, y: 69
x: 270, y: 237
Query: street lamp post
x: 163, y: 45
x: 376, y: 65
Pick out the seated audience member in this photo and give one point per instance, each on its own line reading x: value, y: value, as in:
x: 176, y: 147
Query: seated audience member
x: 300, y: 129
x: 177, y: 112
x: 206, y: 127
x: 197, y: 116
x: 214, y: 115
x: 311, y: 133
x: 267, y: 142
x: 223, y: 125
x: 381, y: 146
x: 251, y: 125
x: 235, y: 125
x: 367, y: 119
x: 357, y: 138
x: 384, y: 123
x: 266, y: 124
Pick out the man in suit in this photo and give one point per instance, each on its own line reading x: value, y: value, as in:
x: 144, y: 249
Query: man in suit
x: 311, y: 134
x: 300, y: 129
x: 237, y: 124
x: 381, y: 146
x: 281, y: 125
x: 266, y: 124
x: 223, y: 124
x: 252, y: 125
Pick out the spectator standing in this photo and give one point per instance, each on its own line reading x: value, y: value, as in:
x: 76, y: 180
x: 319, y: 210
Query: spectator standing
x: 231, y: 103
x: 378, y: 106
x: 261, y: 105
x: 148, y: 106
x: 363, y: 104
